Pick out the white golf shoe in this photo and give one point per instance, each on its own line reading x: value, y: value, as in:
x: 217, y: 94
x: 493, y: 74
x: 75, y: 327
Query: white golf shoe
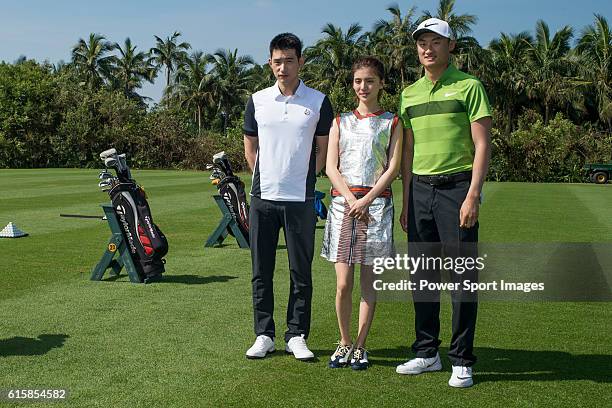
x: 461, y: 377
x: 297, y: 346
x: 420, y: 365
x: 262, y: 347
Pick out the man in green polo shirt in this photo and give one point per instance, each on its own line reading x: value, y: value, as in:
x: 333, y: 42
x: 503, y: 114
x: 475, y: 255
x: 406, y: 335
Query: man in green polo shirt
x: 447, y: 121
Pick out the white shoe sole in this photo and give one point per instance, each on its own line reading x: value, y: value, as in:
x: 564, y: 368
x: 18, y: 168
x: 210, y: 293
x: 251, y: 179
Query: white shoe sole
x: 260, y: 357
x: 463, y: 384
x: 310, y: 358
x: 437, y: 366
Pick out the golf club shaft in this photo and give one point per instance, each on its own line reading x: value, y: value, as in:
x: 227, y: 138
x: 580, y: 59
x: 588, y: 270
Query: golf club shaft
x: 98, y: 217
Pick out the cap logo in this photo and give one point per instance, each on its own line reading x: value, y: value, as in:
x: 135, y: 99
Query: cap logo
x: 431, y: 24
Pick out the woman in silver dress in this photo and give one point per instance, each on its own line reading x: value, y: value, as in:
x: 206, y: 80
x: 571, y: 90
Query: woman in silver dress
x: 363, y: 158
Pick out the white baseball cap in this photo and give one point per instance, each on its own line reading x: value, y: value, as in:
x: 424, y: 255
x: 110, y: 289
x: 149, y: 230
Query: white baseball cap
x: 433, y: 25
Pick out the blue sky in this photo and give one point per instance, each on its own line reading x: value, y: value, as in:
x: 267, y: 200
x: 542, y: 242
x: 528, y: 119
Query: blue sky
x: 46, y: 30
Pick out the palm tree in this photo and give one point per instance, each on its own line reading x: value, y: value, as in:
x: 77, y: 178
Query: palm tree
x: 231, y: 81
x: 460, y: 24
x: 131, y: 68
x: 393, y: 42
x: 550, y: 66
x: 91, y: 60
x: 193, y: 89
x: 261, y: 77
x: 333, y: 56
x: 169, y: 53
x: 595, y: 49
x: 468, y: 55
x: 506, y: 73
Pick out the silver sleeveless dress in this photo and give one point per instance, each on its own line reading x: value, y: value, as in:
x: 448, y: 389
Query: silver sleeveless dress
x: 363, y: 158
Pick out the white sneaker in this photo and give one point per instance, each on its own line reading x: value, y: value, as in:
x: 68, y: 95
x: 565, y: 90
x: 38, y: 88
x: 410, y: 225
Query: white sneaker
x: 420, y: 365
x: 461, y: 377
x: 262, y: 346
x: 297, y: 346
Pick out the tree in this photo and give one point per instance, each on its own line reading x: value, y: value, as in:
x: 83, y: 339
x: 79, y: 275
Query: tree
x: 91, y: 60
x: 261, y: 77
x: 29, y: 114
x: 394, y: 42
x: 130, y: 69
x: 460, y: 24
x: 506, y: 74
x: 332, y: 57
x: 231, y: 82
x: 549, y: 68
x: 193, y: 89
x: 169, y: 53
x: 595, y: 48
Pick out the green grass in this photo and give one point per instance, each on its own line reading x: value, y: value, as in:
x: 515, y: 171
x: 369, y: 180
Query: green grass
x: 181, y: 343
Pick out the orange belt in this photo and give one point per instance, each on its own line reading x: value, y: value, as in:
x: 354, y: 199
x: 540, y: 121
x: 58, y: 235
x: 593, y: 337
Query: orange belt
x: 362, y: 191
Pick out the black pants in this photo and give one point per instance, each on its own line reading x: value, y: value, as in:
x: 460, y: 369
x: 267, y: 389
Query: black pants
x: 434, y: 218
x: 297, y: 219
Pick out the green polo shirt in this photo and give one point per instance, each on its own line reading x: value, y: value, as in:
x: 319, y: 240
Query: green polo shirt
x: 440, y: 116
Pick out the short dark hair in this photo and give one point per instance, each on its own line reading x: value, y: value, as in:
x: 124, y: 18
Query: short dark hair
x: 370, y: 62
x: 286, y: 41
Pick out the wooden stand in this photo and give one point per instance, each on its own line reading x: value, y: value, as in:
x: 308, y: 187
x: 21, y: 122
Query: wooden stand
x: 226, y: 224
x: 116, y: 245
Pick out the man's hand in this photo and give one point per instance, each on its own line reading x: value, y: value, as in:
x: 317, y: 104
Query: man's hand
x: 468, y: 215
x: 404, y: 219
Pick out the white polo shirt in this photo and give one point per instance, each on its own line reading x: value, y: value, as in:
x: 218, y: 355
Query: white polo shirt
x: 286, y: 127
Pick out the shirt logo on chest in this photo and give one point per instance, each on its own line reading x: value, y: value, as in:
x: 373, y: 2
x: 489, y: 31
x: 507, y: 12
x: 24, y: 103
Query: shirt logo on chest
x: 446, y: 95
x: 307, y: 112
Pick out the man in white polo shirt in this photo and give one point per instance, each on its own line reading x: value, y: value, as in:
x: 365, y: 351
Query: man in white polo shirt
x: 285, y: 143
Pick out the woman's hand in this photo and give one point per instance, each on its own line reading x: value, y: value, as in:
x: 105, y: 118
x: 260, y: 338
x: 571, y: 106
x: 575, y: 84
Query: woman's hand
x: 360, y: 209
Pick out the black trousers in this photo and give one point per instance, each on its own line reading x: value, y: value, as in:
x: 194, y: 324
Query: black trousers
x: 298, y: 220
x: 433, y: 227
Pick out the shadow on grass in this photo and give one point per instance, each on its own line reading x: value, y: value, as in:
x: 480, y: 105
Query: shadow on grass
x: 280, y: 352
x: 496, y: 364
x: 26, y: 346
x: 184, y: 279
x: 196, y: 279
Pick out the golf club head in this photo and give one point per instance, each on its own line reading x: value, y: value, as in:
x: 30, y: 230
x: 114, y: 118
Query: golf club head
x: 105, y: 175
x: 217, y: 157
x: 105, y: 183
x: 110, y: 162
x: 108, y: 153
x: 217, y: 175
x: 220, y: 159
x: 122, y: 166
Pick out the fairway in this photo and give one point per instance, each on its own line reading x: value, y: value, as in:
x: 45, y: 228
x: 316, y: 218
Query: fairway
x: 181, y: 342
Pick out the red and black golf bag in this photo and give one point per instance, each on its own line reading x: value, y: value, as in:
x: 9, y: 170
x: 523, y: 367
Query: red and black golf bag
x: 145, y: 241
x: 231, y: 189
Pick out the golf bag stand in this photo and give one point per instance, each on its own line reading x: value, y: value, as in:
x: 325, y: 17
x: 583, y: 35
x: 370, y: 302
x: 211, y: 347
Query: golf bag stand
x: 226, y: 225
x: 116, y: 246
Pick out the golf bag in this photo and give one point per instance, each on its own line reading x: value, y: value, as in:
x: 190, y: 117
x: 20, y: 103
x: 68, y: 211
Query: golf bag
x: 145, y: 241
x: 320, y: 208
x: 231, y: 189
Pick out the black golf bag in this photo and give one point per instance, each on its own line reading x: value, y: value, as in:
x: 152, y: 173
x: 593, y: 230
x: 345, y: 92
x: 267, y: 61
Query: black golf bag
x: 145, y: 241
x: 231, y: 189
x: 320, y: 208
